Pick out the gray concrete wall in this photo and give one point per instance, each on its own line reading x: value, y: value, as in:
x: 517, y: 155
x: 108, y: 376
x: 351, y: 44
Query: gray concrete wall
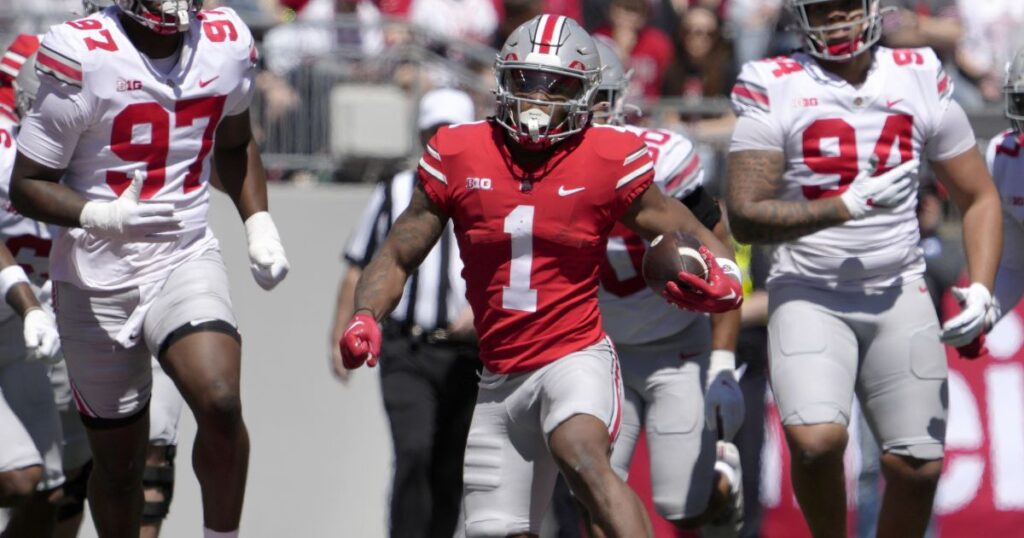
x: 321, y: 452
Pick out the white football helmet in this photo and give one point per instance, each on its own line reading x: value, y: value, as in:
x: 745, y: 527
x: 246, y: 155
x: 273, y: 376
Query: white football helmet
x: 614, y: 85
x: 92, y: 6
x: 1014, y: 90
x: 547, y: 74
x: 161, y: 16
x: 26, y: 86
x: 816, y: 38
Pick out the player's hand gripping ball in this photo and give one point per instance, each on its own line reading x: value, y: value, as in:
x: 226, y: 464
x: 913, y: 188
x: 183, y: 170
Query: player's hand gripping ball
x: 683, y: 271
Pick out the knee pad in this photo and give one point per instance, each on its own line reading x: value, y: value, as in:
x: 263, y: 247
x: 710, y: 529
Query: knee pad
x: 162, y: 479
x: 75, y: 490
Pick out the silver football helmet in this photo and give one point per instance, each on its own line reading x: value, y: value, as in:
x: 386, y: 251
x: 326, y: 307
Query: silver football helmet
x: 161, y: 16
x: 92, y: 6
x: 547, y: 74
x: 816, y: 38
x: 26, y: 86
x: 1014, y: 91
x: 614, y: 85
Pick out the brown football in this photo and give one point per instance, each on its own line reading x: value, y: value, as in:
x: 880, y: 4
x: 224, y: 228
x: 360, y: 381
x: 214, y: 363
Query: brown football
x: 668, y: 255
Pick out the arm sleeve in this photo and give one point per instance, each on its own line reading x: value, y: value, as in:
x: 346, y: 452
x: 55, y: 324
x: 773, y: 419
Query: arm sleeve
x: 50, y: 132
x: 953, y: 135
x: 704, y: 207
x: 364, y: 240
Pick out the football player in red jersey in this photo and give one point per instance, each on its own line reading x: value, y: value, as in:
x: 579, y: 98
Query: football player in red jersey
x: 135, y: 104
x: 533, y: 193
x: 823, y: 165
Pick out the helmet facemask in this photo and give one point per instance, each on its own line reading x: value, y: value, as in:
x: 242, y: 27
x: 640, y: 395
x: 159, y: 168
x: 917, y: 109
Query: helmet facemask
x: 610, y: 102
x: 1014, y: 92
x: 165, y: 17
x: 543, y: 106
x: 864, y: 29
x: 26, y: 86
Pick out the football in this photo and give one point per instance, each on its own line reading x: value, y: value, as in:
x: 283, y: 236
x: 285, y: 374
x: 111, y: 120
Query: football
x: 668, y: 255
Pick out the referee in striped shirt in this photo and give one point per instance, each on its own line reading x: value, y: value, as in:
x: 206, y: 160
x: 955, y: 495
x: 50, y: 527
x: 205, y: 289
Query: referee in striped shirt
x: 429, y: 358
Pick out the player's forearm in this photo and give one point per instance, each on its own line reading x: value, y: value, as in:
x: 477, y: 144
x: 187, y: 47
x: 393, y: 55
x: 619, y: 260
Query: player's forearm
x: 345, y: 306
x: 380, y: 286
x: 725, y: 329
x: 242, y: 177
x: 983, y: 236
x: 19, y: 295
x: 775, y: 221
x: 47, y: 201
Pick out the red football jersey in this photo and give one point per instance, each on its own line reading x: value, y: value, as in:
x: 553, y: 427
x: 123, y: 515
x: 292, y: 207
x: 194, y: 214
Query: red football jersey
x: 532, y: 244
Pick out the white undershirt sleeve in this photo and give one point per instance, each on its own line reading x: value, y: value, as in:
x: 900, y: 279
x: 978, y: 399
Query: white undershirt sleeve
x: 953, y: 135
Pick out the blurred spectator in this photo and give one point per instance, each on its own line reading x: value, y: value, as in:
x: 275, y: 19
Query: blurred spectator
x: 992, y: 31
x: 516, y: 12
x: 923, y: 23
x: 703, y: 66
x: 642, y: 47
x: 315, y: 33
x: 470, y: 20
x: 752, y: 25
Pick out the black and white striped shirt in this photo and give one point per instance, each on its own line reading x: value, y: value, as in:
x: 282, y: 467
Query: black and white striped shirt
x: 435, y: 294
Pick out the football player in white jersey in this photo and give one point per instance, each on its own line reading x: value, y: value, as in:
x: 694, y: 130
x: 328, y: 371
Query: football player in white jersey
x: 665, y: 352
x: 22, y: 234
x: 133, y: 101
x: 823, y: 165
x: 30, y: 429
x: 1007, y: 166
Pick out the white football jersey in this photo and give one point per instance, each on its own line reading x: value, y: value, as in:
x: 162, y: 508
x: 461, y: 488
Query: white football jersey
x: 829, y: 131
x: 1005, y: 158
x: 123, y: 113
x: 28, y: 240
x: 631, y: 312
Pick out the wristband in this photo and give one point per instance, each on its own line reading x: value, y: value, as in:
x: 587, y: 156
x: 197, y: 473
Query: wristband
x: 10, y: 277
x: 722, y: 359
x: 730, y: 268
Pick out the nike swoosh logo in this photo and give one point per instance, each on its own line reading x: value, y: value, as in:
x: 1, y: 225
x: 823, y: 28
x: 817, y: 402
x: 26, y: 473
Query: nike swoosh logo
x: 922, y: 289
x: 893, y: 103
x: 205, y: 83
x: 562, y: 191
x: 688, y: 356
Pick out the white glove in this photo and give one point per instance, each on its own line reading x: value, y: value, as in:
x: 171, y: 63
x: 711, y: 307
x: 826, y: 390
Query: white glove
x: 869, y: 193
x: 41, y: 337
x: 127, y: 218
x: 723, y: 398
x: 266, y: 254
x: 978, y: 313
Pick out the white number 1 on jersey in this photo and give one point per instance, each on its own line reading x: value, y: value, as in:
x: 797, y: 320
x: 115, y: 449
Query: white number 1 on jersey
x: 518, y: 295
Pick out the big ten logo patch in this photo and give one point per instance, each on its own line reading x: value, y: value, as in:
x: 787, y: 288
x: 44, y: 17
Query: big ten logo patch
x: 124, y: 85
x: 478, y: 183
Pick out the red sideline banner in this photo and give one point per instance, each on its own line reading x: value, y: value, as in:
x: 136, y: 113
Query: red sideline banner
x: 982, y: 488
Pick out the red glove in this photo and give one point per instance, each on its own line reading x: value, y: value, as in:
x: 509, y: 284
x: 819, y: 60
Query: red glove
x: 361, y: 342
x: 719, y: 293
x: 974, y: 349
